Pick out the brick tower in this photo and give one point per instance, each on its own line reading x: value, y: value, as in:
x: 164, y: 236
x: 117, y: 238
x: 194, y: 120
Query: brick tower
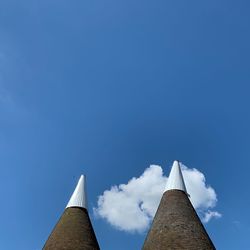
x: 74, y: 230
x: 176, y: 226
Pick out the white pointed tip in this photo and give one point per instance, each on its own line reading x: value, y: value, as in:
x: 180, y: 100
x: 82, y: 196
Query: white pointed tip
x: 175, y: 179
x: 78, y: 198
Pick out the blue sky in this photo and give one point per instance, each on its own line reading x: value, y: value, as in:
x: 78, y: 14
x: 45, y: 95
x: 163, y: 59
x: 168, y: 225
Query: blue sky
x: 107, y: 88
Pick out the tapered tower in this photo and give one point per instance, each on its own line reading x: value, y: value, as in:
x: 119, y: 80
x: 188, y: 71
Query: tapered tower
x: 176, y: 225
x: 74, y: 230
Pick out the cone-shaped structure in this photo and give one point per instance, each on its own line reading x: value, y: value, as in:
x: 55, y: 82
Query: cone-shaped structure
x: 79, y: 198
x: 176, y: 225
x: 74, y: 230
x: 175, y: 180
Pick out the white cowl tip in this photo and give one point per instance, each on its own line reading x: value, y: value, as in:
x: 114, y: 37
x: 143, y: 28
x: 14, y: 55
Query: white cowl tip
x: 175, y: 179
x: 78, y: 198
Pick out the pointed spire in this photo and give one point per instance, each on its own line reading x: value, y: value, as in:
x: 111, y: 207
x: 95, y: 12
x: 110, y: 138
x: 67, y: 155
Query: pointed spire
x: 175, y: 179
x: 74, y: 229
x: 176, y: 224
x: 78, y: 198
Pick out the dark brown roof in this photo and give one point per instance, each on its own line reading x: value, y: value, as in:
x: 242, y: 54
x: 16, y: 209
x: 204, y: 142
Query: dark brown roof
x: 177, y: 226
x: 73, y: 231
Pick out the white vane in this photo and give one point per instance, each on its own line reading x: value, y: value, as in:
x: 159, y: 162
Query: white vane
x: 78, y: 198
x: 175, y: 179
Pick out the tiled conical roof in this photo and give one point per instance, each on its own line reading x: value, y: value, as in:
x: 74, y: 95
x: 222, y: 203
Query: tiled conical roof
x: 74, y: 230
x: 176, y: 225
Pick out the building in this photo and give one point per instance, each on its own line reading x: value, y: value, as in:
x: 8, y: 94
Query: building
x: 74, y: 230
x: 176, y: 225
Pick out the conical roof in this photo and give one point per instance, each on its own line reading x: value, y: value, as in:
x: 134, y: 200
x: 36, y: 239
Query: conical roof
x: 79, y: 198
x: 176, y: 224
x: 175, y: 179
x: 74, y: 230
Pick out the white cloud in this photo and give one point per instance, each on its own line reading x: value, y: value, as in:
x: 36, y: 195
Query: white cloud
x: 131, y: 207
x: 209, y: 215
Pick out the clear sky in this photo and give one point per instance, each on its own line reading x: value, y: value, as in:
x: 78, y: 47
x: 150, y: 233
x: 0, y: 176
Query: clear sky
x: 107, y: 88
